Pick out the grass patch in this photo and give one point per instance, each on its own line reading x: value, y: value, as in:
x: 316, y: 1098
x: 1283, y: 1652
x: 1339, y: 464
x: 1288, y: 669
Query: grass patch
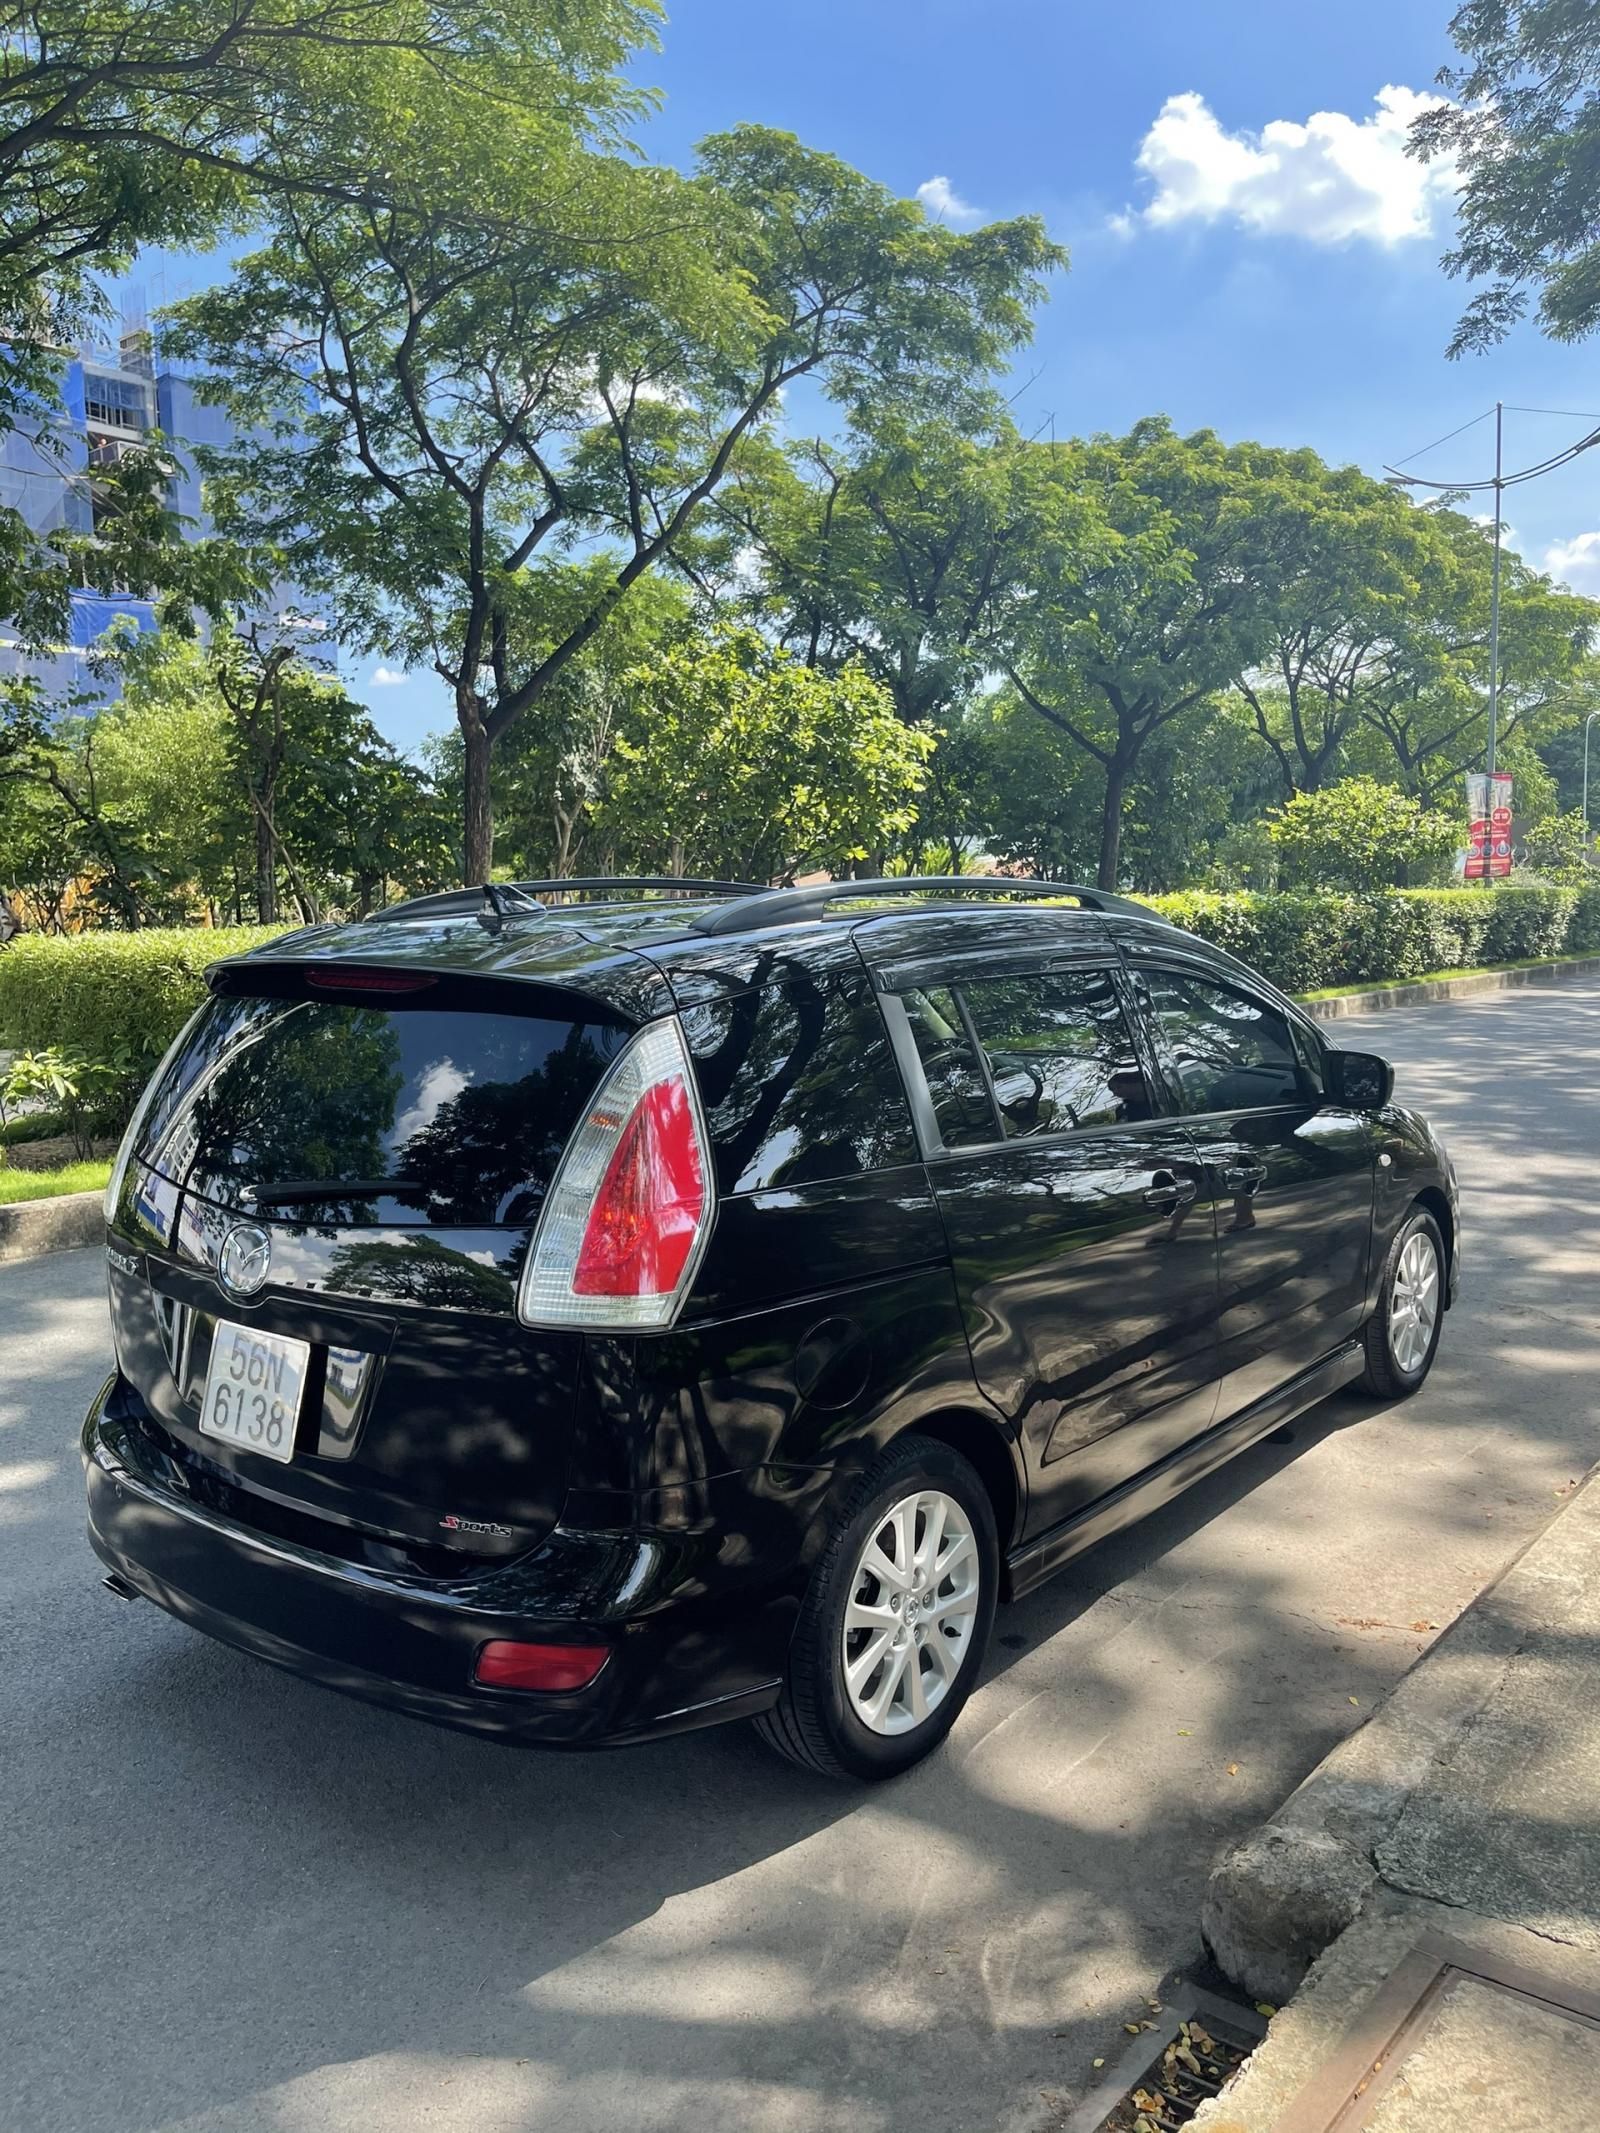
x: 1432, y: 977
x: 18, y: 1185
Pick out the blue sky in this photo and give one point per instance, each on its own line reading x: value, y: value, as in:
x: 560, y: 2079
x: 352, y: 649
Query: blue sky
x: 1232, y: 266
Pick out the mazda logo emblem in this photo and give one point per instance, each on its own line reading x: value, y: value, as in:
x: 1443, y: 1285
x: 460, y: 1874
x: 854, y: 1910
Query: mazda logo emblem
x: 245, y: 1258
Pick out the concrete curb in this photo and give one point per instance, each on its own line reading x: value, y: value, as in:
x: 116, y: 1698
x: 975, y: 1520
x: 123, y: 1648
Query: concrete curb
x: 71, y: 1220
x: 1426, y: 992
x: 1286, y: 1892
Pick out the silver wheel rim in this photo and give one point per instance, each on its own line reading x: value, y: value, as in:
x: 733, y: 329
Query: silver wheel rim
x: 912, y: 1609
x: 1414, y: 1305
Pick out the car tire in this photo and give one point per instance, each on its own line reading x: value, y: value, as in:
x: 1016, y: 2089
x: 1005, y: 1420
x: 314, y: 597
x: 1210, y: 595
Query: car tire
x: 895, y: 1621
x: 1401, y: 1337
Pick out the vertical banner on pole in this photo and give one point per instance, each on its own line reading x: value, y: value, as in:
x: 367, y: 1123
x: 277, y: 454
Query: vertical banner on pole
x: 1488, y: 825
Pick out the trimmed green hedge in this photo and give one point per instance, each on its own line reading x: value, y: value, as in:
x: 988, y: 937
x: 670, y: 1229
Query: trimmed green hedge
x: 1311, y: 939
x: 120, y: 997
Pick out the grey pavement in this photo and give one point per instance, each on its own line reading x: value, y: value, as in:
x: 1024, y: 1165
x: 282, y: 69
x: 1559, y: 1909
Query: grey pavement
x: 229, y: 1900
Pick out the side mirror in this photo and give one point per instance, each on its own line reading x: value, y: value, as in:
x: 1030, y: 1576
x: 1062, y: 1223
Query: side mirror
x: 1360, y: 1081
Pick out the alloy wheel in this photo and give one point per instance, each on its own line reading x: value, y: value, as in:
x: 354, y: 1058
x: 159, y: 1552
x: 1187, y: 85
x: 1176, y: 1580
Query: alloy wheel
x: 1414, y: 1303
x: 912, y: 1609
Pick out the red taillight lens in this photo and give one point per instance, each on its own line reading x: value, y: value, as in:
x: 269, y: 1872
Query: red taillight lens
x: 647, y: 1212
x: 630, y: 1207
x: 507, y: 1665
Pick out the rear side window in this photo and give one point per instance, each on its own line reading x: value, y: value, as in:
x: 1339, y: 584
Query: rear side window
x: 1223, y: 1050
x: 368, y: 1115
x: 799, y: 1084
x: 1059, y: 1051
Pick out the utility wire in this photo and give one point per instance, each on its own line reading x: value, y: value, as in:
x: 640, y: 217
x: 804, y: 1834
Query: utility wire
x: 1427, y: 448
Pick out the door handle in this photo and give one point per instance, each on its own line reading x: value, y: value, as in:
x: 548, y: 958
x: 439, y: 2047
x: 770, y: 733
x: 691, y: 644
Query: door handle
x: 1244, y: 1177
x: 1167, y: 1192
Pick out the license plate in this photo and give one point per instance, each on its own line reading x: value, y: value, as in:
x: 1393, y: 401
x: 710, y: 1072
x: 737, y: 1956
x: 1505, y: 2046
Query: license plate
x: 252, y: 1396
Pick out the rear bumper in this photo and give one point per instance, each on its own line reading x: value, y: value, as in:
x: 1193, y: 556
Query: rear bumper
x: 689, y: 1647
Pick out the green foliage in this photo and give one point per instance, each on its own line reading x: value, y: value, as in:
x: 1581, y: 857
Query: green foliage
x: 1303, y: 942
x: 1359, y: 834
x: 550, y: 344
x: 737, y: 760
x: 117, y: 998
x: 1557, y: 846
x: 1521, y: 129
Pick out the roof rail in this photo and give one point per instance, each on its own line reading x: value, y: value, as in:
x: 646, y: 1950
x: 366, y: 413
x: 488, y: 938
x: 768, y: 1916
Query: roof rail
x: 524, y: 898
x: 499, y: 899
x: 624, y: 887
x: 787, y: 907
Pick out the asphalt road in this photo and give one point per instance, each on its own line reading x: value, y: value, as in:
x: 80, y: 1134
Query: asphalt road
x: 233, y: 1902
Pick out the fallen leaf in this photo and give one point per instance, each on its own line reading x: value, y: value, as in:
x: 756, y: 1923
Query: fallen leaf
x: 1097, y: 2062
x: 1265, y: 2007
x: 1356, y: 1700
x: 1424, y: 1625
x: 1133, y: 2028
x: 1185, y: 1733
x: 1233, y: 1770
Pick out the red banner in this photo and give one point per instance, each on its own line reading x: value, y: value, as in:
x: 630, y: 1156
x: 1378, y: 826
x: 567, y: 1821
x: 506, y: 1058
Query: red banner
x: 1488, y: 824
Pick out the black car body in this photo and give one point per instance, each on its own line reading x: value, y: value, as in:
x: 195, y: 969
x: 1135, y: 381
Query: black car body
x: 1057, y: 1188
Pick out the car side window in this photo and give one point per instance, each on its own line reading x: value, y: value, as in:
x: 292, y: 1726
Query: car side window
x: 1222, y: 1049
x: 799, y: 1085
x: 956, y: 1087
x: 1059, y: 1051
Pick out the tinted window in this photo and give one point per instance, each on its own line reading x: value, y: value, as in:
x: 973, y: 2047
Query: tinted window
x: 1223, y: 1050
x: 799, y: 1084
x: 959, y: 1093
x: 452, y: 1117
x: 1059, y: 1051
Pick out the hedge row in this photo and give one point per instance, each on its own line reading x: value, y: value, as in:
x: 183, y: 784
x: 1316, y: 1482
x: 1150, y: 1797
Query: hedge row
x: 1306, y: 941
x: 119, y: 997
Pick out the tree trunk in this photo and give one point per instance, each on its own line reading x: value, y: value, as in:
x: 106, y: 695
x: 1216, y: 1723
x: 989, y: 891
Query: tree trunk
x: 266, y: 870
x: 1111, y: 823
x: 477, y: 844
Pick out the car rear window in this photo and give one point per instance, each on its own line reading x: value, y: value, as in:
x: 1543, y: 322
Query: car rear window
x: 375, y: 1115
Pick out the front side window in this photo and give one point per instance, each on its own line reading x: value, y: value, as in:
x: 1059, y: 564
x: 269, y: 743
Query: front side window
x: 1223, y: 1050
x: 1059, y: 1051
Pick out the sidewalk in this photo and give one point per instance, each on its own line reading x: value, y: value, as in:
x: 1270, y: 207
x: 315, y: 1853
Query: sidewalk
x: 1442, y: 1870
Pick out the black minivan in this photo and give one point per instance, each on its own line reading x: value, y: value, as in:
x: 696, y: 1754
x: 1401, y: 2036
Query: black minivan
x: 580, y: 1312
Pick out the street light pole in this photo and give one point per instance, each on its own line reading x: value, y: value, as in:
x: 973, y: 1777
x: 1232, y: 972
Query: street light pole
x: 1494, y: 618
x: 1588, y: 722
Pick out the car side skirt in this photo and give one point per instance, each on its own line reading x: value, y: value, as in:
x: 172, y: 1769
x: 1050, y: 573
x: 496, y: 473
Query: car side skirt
x: 1030, y: 1565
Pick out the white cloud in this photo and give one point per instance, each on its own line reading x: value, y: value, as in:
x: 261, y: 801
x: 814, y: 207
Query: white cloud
x: 1576, y: 563
x: 387, y: 678
x: 1123, y: 223
x: 1331, y: 179
x: 941, y: 200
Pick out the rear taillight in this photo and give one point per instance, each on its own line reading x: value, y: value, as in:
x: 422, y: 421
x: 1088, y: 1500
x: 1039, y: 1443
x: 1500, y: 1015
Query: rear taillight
x: 508, y: 1665
x: 630, y: 1206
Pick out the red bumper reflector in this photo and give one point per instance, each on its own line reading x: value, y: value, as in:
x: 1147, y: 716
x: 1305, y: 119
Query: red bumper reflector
x: 505, y: 1665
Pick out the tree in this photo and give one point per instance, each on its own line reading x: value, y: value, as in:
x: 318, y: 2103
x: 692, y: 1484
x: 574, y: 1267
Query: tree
x: 894, y: 547
x: 1358, y: 834
x: 122, y: 125
x: 586, y: 363
x: 1350, y: 565
x: 737, y: 760
x: 1523, y: 130
x: 1118, y: 631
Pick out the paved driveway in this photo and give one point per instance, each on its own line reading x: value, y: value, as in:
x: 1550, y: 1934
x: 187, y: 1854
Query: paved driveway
x: 232, y: 1901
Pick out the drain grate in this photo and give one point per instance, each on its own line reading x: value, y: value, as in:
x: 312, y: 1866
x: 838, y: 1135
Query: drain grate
x: 1161, y: 2083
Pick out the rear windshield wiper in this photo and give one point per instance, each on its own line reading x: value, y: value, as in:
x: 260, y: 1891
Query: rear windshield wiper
x: 296, y: 1189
